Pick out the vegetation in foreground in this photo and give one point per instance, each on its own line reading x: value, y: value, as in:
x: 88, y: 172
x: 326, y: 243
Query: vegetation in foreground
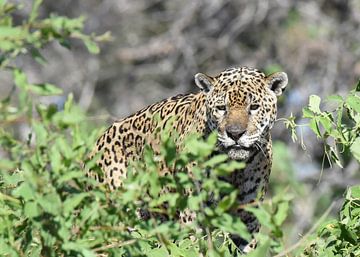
x: 46, y: 211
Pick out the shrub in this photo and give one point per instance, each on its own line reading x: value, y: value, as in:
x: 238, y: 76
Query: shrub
x: 339, y: 130
x: 46, y: 211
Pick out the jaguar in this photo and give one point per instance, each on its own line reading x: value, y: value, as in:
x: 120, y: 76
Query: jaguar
x: 239, y: 104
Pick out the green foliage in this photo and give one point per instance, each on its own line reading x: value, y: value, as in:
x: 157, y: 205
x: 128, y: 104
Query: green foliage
x: 34, y: 33
x: 45, y: 209
x: 340, y: 237
x: 339, y: 129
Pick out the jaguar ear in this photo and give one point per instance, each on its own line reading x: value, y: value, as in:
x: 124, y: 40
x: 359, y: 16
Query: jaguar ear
x: 204, y: 82
x: 277, y: 82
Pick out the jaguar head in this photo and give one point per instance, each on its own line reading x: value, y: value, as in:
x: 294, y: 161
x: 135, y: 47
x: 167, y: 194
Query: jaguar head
x: 241, y: 105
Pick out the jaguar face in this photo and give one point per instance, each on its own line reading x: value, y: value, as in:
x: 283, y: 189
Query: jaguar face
x: 241, y: 107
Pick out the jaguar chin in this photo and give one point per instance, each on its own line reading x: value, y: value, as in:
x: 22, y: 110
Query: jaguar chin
x: 239, y: 153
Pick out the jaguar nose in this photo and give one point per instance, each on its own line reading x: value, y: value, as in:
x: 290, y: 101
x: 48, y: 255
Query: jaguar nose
x: 235, y: 132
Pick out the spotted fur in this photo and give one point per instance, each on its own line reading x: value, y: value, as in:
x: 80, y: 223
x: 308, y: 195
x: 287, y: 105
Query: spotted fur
x: 238, y: 103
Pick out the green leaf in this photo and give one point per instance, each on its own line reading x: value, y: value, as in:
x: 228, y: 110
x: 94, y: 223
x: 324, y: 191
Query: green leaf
x: 51, y: 203
x: 169, y: 151
x: 72, y: 202
x: 40, y: 133
x: 13, y: 178
x: 7, y: 165
x: 227, y: 202
x: 314, y: 103
x: 154, y: 184
x: 176, y: 251
x: 263, y: 216
x: 69, y: 176
x: 232, y: 225
x: 335, y: 98
x: 88, y: 253
x: 12, y: 33
x: 353, y: 102
x: 188, y: 246
x: 158, y: 252
x: 7, y: 250
x: 63, y: 147
x: 20, y: 78
x: 217, y: 159
x: 353, y: 193
x: 35, y: 10
x: 307, y: 113
x: 347, y: 234
x: 226, y: 168
x: 326, y: 122
x: 55, y: 159
x: 198, y: 147
x: 314, y: 127
x: 25, y: 191
x: 355, y: 149
x: 31, y: 209
x: 194, y: 203
x: 69, y: 103
x: 261, y: 250
x: 91, y: 45
x: 45, y: 89
x: 78, y: 247
x: 281, y: 212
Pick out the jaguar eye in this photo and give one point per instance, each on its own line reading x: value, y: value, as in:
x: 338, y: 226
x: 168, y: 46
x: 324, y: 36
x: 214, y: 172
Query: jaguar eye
x: 254, y: 107
x: 221, y: 107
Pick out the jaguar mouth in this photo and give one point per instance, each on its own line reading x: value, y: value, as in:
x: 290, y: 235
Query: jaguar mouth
x: 241, y: 147
x: 239, y: 152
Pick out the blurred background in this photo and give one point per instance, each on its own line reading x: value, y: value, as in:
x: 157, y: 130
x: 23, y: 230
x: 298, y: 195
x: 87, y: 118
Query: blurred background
x: 159, y: 45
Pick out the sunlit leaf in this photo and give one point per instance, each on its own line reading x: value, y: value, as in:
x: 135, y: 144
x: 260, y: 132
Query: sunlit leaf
x: 314, y: 127
x: 25, y: 191
x: 227, y: 202
x: 261, y: 250
x: 72, y: 202
x: 281, y: 212
x: 354, y: 102
x: 335, y: 98
x: 31, y: 209
x: 51, y: 203
x: 40, y: 134
x: 307, y: 113
x: 217, y: 159
x: 314, y: 103
x: 355, y: 149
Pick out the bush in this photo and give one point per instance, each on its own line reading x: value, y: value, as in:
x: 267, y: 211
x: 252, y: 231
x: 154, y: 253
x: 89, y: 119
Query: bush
x: 339, y: 130
x: 46, y: 211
